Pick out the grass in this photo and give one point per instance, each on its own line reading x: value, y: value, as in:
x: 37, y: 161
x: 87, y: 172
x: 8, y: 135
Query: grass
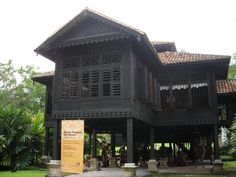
x: 230, y: 164
x: 187, y: 176
x: 226, y: 157
x: 23, y: 173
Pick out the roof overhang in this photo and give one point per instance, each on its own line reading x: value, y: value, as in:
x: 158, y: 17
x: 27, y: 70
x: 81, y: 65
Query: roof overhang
x: 48, y: 48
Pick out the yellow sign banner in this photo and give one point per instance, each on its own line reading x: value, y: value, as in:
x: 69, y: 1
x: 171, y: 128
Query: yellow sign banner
x: 72, y: 146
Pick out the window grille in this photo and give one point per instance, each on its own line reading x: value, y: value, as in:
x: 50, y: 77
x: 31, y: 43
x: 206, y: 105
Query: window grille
x: 199, y: 93
x: 90, y: 60
x: 74, y: 84
x: 116, y: 82
x: 106, y: 79
x: 85, y: 84
x: 71, y: 62
x: 65, y: 89
x: 94, y: 83
x: 180, y: 94
x: 111, y: 58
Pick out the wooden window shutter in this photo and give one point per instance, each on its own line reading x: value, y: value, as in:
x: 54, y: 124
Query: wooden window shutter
x: 116, y: 82
x: 85, y: 84
x: 94, y: 83
x: 74, y: 84
x: 65, y: 87
x: 106, y: 82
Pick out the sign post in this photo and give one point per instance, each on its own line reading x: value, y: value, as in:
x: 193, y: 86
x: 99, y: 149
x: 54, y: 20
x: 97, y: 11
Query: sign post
x: 72, y: 146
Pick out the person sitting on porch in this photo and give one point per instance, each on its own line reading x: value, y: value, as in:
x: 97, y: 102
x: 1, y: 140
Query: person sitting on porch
x: 105, y: 160
x: 122, y: 152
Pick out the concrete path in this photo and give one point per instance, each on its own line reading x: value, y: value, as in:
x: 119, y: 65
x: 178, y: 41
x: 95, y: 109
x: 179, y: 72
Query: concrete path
x: 111, y: 172
x: 142, y: 172
x: 187, y: 170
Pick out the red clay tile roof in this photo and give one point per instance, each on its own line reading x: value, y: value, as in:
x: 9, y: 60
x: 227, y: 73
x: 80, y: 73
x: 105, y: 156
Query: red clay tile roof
x: 226, y: 86
x: 168, y: 58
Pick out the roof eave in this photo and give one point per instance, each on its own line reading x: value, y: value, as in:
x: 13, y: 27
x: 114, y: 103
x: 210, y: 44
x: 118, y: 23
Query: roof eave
x: 226, y: 60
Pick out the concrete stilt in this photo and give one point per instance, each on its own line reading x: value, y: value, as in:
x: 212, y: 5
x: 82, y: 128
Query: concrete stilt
x: 54, y: 168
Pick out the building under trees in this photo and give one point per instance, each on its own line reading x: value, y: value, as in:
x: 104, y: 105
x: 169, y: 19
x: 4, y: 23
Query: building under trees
x: 110, y: 75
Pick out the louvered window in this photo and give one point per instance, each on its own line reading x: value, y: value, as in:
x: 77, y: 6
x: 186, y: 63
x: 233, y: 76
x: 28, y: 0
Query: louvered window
x: 165, y: 98
x: 116, y: 82
x: 65, y: 89
x: 180, y: 94
x: 85, y: 84
x: 199, y: 93
x: 94, y: 83
x: 106, y: 82
x: 74, y: 84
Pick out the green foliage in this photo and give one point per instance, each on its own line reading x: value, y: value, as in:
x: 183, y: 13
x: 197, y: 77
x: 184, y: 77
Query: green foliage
x: 104, y: 138
x: 21, y: 117
x: 18, y: 89
x: 15, y: 127
x: 230, y: 164
x: 2, y: 139
x: 233, y: 139
x: 233, y: 132
x: 37, y: 130
x: 232, y: 68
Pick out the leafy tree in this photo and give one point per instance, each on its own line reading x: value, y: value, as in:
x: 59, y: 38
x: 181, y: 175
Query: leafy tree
x: 18, y: 89
x: 2, y: 139
x: 232, y: 68
x: 37, y: 141
x: 21, y: 117
x: 233, y: 133
x: 15, y: 127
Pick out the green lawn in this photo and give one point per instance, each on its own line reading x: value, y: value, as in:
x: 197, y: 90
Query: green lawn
x: 230, y: 164
x: 23, y: 173
x: 187, y: 176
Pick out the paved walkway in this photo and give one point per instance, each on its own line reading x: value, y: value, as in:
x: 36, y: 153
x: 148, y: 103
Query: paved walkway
x: 142, y: 172
x: 187, y: 170
x: 111, y: 172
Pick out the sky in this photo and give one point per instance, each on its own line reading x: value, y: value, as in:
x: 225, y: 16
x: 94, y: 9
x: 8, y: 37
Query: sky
x: 197, y: 26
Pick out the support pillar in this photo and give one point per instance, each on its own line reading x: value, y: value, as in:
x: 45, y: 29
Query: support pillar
x: 129, y: 140
x: 94, y: 144
x: 152, y: 163
x: 55, y: 153
x: 46, y: 145
x: 54, y: 167
x: 113, y: 145
x: 90, y: 143
x: 174, y: 149
x: 152, y: 142
x: 216, y: 142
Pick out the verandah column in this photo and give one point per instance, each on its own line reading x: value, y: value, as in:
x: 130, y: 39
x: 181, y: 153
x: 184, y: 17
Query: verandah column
x: 90, y: 142
x: 152, y: 142
x: 46, y: 145
x: 113, y: 146
x: 129, y: 140
x: 216, y: 141
x: 94, y: 143
x: 55, y: 153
